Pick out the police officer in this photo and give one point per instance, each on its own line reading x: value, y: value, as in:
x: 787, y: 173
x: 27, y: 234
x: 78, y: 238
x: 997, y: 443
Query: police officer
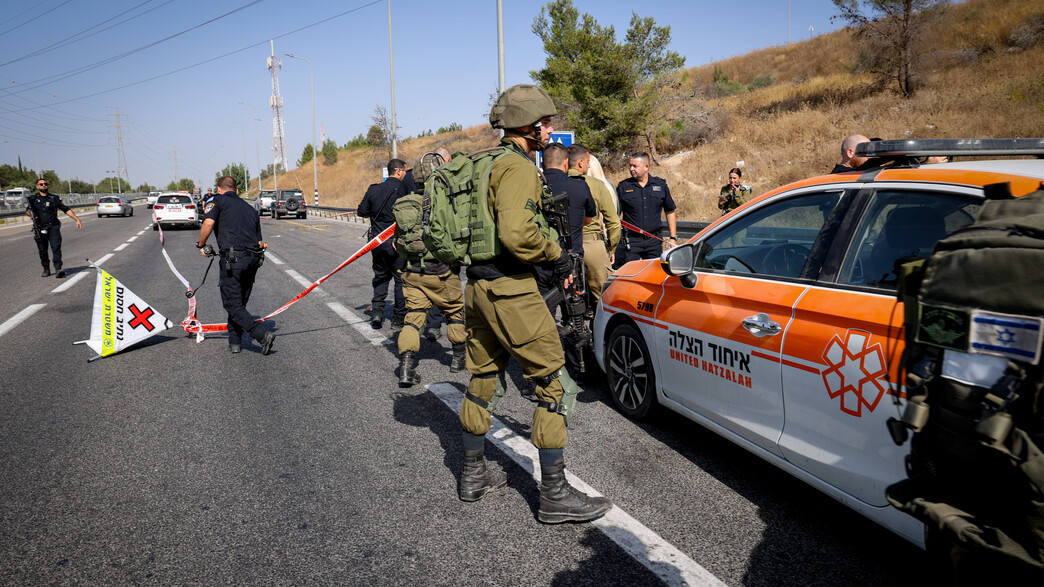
x: 242, y: 251
x: 426, y: 284
x: 377, y: 206
x: 43, y: 209
x: 505, y: 317
x: 642, y: 197
x: 603, y: 233
x: 581, y: 204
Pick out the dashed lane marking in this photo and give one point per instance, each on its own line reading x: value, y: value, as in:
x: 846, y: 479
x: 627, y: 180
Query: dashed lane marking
x: 121, y: 247
x: 647, y: 547
x: 19, y: 318
x: 360, y: 324
x: 274, y: 259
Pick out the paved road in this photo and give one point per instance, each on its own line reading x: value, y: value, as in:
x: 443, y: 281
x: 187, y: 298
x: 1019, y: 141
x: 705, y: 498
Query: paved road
x: 177, y: 462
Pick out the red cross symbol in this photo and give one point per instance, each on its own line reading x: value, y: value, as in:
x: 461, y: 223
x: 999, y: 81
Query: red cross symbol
x: 141, y: 318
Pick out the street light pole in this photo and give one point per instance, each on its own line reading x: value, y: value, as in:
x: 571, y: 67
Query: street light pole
x: 242, y: 137
x: 110, y: 179
x: 256, y: 152
x: 391, y: 68
x: 315, y: 148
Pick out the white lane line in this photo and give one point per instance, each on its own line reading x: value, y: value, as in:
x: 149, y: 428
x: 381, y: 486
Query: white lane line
x: 133, y: 238
x: 647, y: 547
x: 71, y: 282
x: 360, y: 324
x: 300, y: 279
x: 103, y: 259
x: 140, y: 233
x: 121, y: 247
x: 19, y: 318
x: 274, y: 259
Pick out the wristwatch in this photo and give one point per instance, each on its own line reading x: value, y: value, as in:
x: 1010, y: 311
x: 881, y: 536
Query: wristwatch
x: 673, y: 238
x: 200, y: 246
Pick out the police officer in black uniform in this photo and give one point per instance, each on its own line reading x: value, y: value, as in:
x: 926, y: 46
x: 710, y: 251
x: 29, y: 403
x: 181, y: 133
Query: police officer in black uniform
x: 581, y: 205
x: 242, y: 251
x: 642, y: 198
x: 43, y: 209
x: 387, y: 264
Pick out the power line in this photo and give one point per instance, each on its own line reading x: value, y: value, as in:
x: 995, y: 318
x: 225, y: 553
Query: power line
x: 72, y: 38
x: 73, y: 72
x: 204, y: 62
x: 17, y: 26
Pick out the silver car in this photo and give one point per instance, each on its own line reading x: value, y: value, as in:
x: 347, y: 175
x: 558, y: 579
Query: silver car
x: 114, y: 206
x: 263, y: 203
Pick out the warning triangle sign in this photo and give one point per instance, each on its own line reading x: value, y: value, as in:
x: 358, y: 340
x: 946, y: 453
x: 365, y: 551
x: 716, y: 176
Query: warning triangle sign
x: 121, y: 318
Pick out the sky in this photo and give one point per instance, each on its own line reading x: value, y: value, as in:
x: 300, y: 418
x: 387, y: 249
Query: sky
x: 182, y: 82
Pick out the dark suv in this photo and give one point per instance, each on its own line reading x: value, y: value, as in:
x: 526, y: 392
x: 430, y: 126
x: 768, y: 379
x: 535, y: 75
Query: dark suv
x: 288, y: 202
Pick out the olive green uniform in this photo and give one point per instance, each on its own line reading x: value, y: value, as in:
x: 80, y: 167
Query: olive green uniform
x: 504, y: 314
x: 743, y: 195
x: 424, y: 289
x: 606, y: 225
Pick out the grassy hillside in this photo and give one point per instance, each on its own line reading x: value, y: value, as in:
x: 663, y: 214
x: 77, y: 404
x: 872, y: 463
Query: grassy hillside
x: 978, y: 79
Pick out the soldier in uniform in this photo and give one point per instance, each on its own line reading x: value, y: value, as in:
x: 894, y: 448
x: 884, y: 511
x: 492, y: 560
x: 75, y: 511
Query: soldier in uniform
x: 43, y: 209
x: 602, y: 234
x: 427, y: 283
x: 642, y: 197
x: 387, y: 266
x: 241, y: 250
x: 505, y: 317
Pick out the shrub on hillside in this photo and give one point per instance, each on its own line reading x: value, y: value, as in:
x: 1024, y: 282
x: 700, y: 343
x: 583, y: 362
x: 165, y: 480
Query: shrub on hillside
x: 1028, y: 33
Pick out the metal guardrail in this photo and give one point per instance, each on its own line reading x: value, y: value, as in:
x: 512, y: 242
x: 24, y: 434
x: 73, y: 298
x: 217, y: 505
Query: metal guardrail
x: 10, y: 210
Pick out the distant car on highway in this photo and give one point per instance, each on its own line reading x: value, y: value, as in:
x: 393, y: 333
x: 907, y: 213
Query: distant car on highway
x: 289, y: 202
x: 114, y: 206
x: 263, y: 203
x: 151, y: 199
x: 175, y: 209
x: 778, y: 326
x: 16, y: 197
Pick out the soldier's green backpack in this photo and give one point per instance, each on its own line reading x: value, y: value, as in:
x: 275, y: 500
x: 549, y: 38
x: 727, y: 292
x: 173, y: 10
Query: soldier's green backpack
x: 459, y: 229
x: 409, y: 211
x: 974, y: 323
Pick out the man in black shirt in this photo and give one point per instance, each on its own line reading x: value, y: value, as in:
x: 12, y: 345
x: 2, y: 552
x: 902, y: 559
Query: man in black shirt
x: 43, y: 209
x: 581, y: 205
x: 387, y: 265
x: 242, y: 251
x: 642, y: 199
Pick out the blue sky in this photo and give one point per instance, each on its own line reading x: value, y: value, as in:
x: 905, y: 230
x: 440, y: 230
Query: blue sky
x: 177, y: 70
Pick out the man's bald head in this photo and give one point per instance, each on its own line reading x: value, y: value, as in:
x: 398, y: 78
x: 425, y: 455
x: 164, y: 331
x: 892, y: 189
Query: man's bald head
x: 848, y: 147
x: 444, y: 153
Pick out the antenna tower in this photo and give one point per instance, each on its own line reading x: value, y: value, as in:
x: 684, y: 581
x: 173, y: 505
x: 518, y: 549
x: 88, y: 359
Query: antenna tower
x: 278, y: 141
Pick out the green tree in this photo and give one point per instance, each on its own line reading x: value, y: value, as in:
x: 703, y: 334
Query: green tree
x: 306, y: 155
x: 607, y: 90
x: 143, y: 188
x: 112, y: 185
x: 358, y: 142
x: 329, y: 152
x: 454, y: 126
x: 81, y: 187
x: 375, y: 136
x: 186, y: 185
x: 238, y: 171
x: 893, y: 28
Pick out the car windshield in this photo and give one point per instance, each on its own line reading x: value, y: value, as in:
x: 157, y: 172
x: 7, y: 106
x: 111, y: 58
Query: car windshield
x: 110, y: 200
x: 174, y: 200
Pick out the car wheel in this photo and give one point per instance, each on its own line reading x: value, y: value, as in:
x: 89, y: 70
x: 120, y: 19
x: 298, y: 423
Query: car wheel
x: 155, y: 226
x: 99, y: 216
x: 629, y: 369
x: 131, y: 212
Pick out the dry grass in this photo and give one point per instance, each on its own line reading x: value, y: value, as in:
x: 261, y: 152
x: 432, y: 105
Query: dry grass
x: 972, y: 85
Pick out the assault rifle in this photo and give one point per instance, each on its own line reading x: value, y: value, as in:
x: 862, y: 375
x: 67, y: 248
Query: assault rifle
x: 574, y: 300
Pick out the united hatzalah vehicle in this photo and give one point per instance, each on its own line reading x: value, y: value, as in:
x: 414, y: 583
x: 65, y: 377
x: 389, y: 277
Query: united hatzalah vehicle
x: 778, y: 326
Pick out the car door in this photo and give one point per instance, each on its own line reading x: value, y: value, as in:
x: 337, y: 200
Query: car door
x: 720, y: 354
x: 842, y: 350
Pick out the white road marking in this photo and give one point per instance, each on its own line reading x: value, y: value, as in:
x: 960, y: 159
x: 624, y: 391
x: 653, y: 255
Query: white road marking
x: 133, y: 238
x: 274, y: 259
x: 121, y: 247
x: 646, y: 546
x: 300, y: 279
x: 362, y: 325
x: 19, y: 318
x: 71, y: 281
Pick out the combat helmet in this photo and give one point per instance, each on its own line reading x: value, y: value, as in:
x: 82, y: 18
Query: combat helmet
x: 521, y: 105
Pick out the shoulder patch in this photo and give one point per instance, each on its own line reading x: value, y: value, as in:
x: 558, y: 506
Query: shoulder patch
x: 208, y: 207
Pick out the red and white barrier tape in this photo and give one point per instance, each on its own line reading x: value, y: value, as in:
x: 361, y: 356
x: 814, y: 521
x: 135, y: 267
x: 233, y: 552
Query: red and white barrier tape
x: 634, y: 228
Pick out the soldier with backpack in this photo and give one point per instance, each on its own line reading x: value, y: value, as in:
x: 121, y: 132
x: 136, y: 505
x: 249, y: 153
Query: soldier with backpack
x: 387, y: 265
x: 505, y: 315
x: 974, y: 324
x: 426, y: 281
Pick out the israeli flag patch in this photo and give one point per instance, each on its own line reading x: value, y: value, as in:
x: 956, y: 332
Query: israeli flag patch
x: 1005, y: 335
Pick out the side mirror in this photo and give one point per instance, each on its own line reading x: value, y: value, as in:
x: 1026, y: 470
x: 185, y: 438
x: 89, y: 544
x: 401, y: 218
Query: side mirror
x: 679, y: 262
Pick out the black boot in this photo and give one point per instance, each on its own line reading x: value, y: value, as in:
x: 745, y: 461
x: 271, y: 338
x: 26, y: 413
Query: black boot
x: 479, y: 477
x: 407, y: 370
x: 377, y: 318
x: 458, y: 361
x: 561, y: 502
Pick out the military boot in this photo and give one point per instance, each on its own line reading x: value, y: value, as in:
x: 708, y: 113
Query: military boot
x: 561, y: 502
x: 407, y: 370
x: 458, y: 361
x: 479, y: 477
x: 377, y: 318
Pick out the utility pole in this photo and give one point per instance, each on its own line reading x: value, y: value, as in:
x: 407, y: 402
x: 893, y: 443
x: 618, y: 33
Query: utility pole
x: 391, y: 67
x: 500, y: 46
x: 121, y: 161
x: 315, y: 148
x: 176, y: 165
x: 257, y: 153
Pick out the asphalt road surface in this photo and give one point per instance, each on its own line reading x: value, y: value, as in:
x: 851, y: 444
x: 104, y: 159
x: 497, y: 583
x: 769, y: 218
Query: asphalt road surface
x: 177, y: 462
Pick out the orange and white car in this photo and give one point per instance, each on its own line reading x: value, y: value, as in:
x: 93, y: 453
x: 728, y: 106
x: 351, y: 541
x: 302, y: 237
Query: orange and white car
x: 778, y: 327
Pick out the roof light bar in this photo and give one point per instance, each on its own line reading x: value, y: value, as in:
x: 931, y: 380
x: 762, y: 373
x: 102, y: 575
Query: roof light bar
x: 951, y: 147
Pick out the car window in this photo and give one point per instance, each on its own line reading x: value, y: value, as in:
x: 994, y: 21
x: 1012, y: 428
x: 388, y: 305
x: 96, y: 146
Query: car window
x: 901, y: 226
x: 109, y: 200
x: 772, y: 240
x: 173, y: 200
